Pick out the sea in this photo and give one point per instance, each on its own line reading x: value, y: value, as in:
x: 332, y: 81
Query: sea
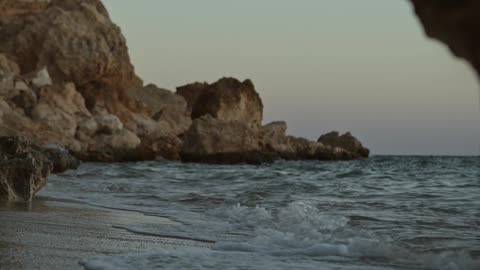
x: 384, y: 212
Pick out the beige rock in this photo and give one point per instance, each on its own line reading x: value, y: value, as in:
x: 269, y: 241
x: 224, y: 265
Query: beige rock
x: 208, y: 135
x: 228, y: 99
x: 55, y: 119
x: 108, y: 123
x: 87, y: 127
x: 346, y: 142
x: 274, y: 137
x: 168, y: 109
x: 119, y: 141
x: 303, y: 148
x: 77, y: 42
x: 21, y: 86
x: 8, y: 65
x: 213, y: 140
x: 8, y: 71
x: 41, y: 78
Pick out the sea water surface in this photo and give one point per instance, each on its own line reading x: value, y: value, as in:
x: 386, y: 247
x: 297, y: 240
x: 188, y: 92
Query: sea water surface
x: 377, y: 213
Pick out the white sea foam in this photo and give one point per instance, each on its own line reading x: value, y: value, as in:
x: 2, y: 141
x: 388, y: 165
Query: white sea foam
x: 394, y: 217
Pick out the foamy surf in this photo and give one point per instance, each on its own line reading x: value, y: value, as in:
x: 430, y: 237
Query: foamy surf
x: 380, y: 213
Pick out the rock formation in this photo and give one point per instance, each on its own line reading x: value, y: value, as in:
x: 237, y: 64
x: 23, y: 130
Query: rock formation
x: 455, y: 23
x: 225, y: 129
x: 227, y: 99
x: 168, y: 110
x: 346, y: 142
x: 24, y: 167
x: 211, y: 140
x: 66, y: 78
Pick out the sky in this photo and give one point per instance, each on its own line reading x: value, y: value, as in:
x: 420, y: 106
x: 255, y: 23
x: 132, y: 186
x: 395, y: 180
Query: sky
x: 321, y: 65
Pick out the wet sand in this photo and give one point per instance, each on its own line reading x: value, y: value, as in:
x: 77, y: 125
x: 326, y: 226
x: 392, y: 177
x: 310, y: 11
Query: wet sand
x: 54, y: 234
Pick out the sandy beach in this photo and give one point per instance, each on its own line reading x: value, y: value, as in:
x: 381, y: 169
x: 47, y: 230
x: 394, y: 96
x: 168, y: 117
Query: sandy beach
x: 54, y: 234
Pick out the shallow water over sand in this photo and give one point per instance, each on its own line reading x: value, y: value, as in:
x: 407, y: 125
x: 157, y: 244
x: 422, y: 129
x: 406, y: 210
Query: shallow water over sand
x: 378, y: 213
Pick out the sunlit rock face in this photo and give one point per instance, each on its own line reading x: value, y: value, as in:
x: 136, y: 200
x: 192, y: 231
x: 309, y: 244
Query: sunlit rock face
x: 454, y: 22
x: 64, y: 68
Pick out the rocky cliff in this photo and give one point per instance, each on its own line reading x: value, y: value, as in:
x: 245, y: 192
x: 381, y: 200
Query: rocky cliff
x: 66, y: 78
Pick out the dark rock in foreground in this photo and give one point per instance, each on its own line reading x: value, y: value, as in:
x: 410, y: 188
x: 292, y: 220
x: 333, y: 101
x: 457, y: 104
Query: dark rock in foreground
x: 24, y: 167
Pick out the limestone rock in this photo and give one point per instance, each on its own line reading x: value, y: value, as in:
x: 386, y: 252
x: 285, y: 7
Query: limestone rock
x: 274, y: 138
x: 302, y: 148
x: 55, y: 119
x: 228, y: 100
x: 42, y: 78
x: 166, y: 108
x: 108, y: 124
x: 8, y: 71
x: 213, y: 140
x: 346, y: 142
x: 77, y: 42
x: 121, y: 140
x: 24, y: 168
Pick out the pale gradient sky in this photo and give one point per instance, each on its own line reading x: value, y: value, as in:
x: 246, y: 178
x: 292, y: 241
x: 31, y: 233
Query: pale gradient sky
x: 321, y: 65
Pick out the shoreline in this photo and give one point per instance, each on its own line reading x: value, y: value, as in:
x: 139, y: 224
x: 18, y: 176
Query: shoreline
x: 57, y: 234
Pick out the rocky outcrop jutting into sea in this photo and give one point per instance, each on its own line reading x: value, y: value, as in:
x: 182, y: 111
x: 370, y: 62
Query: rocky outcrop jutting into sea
x: 226, y: 129
x: 66, y: 79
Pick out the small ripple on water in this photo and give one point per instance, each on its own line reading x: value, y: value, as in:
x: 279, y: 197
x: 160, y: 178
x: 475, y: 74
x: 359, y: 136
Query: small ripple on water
x: 390, y: 212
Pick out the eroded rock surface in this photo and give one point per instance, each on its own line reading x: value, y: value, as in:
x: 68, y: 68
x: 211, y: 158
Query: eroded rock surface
x: 64, y: 76
x: 24, y: 167
x: 211, y: 140
x: 227, y: 99
x: 66, y: 79
x: 346, y: 142
x: 169, y: 110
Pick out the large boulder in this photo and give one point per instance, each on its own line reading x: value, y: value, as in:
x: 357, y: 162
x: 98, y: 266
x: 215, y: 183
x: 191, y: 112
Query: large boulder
x: 227, y: 99
x: 24, y: 167
x: 274, y: 137
x: 165, y: 107
x: 106, y: 140
x: 211, y: 140
x: 346, y: 142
